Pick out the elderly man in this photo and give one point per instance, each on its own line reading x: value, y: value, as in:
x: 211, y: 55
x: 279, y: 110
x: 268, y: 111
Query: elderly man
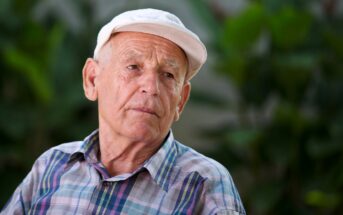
x: 140, y: 77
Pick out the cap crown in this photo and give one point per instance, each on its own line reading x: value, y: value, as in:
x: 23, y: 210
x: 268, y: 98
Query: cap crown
x: 160, y: 23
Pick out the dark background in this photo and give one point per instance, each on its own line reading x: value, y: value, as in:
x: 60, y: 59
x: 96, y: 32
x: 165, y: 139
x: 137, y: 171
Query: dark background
x: 282, y: 59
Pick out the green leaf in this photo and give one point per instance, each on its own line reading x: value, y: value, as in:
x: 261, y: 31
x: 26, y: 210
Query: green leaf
x: 319, y: 198
x: 201, y: 9
x: 242, y: 32
x: 234, y: 66
x: 32, y: 72
x: 333, y: 39
x: 265, y: 196
x: 289, y: 27
x: 242, y: 138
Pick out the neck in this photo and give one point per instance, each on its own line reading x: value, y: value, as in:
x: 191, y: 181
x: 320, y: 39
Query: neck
x: 120, y: 154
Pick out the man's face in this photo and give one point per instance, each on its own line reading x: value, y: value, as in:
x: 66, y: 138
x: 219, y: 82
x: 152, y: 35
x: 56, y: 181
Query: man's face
x: 139, y: 81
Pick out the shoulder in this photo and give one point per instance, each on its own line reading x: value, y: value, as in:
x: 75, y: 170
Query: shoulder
x: 68, y: 148
x: 219, y: 193
x: 46, y: 163
x: 216, y: 177
x: 64, y: 149
x: 193, y: 161
x: 51, y: 159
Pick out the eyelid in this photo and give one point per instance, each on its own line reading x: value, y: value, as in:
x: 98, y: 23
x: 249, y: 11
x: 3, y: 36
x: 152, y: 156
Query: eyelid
x: 169, y: 74
x: 132, y: 65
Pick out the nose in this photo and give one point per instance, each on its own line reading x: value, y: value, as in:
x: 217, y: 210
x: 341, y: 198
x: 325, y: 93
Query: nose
x: 150, y: 83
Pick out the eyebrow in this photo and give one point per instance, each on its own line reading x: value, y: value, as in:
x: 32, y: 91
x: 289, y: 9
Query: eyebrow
x: 172, y: 63
x: 133, y: 54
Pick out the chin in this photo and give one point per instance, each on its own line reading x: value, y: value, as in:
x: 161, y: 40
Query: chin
x: 143, y: 132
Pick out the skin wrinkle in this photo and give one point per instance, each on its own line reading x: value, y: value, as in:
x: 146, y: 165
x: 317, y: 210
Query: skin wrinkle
x: 106, y: 51
x: 128, y: 136
x: 135, y: 55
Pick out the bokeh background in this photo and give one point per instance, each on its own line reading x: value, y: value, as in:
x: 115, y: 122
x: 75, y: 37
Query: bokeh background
x: 268, y: 103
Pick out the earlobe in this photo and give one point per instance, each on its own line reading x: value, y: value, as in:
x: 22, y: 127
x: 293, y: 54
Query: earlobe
x: 186, y: 90
x: 89, y: 74
x: 177, y: 114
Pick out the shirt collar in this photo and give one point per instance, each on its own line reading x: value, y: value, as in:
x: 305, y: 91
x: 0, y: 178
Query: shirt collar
x: 160, y: 165
x: 89, y: 149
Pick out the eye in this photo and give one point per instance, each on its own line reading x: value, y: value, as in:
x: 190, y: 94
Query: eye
x: 168, y: 75
x: 132, y: 67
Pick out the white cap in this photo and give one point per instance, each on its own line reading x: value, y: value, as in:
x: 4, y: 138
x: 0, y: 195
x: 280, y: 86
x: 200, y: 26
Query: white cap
x: 160, y: 23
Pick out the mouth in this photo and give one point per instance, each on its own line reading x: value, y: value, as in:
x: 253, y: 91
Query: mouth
x: 145, y: 111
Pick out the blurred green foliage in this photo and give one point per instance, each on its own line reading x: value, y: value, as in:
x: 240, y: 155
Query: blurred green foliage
x: 40, y: 86
x: 285, y: 59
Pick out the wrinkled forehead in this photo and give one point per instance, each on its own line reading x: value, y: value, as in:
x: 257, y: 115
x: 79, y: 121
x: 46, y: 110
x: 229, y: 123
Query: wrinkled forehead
x: 140, y: 55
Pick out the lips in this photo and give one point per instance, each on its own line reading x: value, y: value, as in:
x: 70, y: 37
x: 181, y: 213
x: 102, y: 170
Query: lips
x: 145, y: 110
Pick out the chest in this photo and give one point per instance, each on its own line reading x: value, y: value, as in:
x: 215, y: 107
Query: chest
x: 85, y: 193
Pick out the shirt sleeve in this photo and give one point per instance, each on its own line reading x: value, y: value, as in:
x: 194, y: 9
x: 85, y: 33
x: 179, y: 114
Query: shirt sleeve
x: 220, y: 195
x: 20, y: 201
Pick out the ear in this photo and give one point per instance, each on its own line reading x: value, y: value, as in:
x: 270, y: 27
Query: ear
x: 186, y: 90
x: 89, y: 75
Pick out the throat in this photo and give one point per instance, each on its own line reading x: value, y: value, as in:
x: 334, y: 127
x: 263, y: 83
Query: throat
x: 118, y: 161
x: 120, y: 168
x: 120, y: 153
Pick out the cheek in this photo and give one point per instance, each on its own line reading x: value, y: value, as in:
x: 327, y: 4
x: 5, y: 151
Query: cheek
x: 118, y: 95
x: 110, y: 84
x: 108, y: 89
x: 171, y: 100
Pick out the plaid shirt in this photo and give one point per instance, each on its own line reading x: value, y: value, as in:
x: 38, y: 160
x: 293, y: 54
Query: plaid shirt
x: 69, y: 179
